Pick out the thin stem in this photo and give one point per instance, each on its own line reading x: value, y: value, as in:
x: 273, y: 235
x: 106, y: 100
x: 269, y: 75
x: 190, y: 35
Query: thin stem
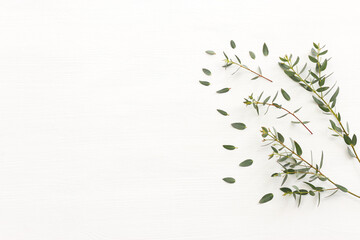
x: 309, y: 164
x: 246, y: 68
x: 293, y: 114
x: 326, y: 104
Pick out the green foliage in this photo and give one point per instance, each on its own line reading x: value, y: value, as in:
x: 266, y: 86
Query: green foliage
x: 205, y: 83
x: 232, y: 44
x: 252, y: 55
x: 206, y: 71
x: 210, y: 52
x: 265, y: 50
x: 238, y: 125
x: 224, y: 90
x: 246, y: 163
x: 229, y: 147
x: 229, y: 180
x: 222, y: 112
x: 285, y: 95
x: 266, y: 198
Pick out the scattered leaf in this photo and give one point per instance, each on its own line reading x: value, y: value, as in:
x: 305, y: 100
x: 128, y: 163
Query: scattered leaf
x: 265, y: 50
x: 229, y: 180
x: 246, y: 163
x: 285, y: 95
x: 252, y: 55
x: 205, y: 83
x: 210, y: 52
x: 222, y: 112
x: 238, y: 125
x: 229, y: 147
x: 224, y: 90
x: 266, y: 198
x: 232, y: 44
x: 206, y: 71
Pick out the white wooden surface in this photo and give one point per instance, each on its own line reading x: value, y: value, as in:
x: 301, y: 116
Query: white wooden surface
x: 105, y: 132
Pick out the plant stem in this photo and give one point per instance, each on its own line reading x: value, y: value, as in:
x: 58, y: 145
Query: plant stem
x: 246, y: 68
x: 293, y: 114
x: 326, y: 104
x: 309, y: 164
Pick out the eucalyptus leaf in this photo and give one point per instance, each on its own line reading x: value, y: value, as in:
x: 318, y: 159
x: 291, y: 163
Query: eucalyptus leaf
x: 238, y: 125
x: 205, y: 83
x: 232, y: 44
x: 206, y: 71
x: 210, y: 52
x: 246, y: 163
x: 285, y: 95
x: 224, y: 90
x: 266, y: 198
x: 229, y: 180
x: 341, y: 188
x: 252, y: 55
x: 229, y: 147
x: 265, y: 50
x: 222, y: 112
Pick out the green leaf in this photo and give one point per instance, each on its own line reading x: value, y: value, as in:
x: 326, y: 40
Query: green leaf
x: 341, y: 188
x: 232, y: 44
x: 238, y: 59
x: 265, y: 50
x: 275, y: 96
x: 246, y: 163
x: 333, y: 97
x: 354, y: 140
x: 285, y: 95
x: 229, y: 180
x: 322, y: 89
x: 266, y: 198
x: 205, y: 83
x: 322, y: 159
x: 225, y: 56
x: 206, y: 71
x: 296, y: 61
x: 266, y: 100
x: 286, y: 190
x: 323, y: 66
x: 318, y: 101
x: 316, y: 46
x: 298, y: 148
x: 222, y: 112
x: 314, y: 60
x: 283, y: 66
x: 238, y: 125
x: 297, y: 110
x: 252, y: 55
x: 280, y: 137
x: 347, y: 139
x: 224, y: 90
x: 323, y: 52
x: 229, y: 147
x: 210, y: 52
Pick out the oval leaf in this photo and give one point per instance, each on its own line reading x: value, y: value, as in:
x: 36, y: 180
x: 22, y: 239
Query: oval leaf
x: 298, y: 148
x: 205, y: 83
x: 265, y: 50
x: 210, y: 52
x: 285, y: 95
x: 238, y: 125
x: 252, y: 55
x: 266, y: 198
x: 232, y: 44
x: 222, y: 112
x: 229, y: 147
x: 224, y: 90
x: 342, y: 188
x: 206, y: 71
x: 246, y: 163
x: 229, y: 180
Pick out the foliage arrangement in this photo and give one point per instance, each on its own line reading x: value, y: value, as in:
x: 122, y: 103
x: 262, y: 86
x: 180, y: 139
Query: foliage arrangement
x: 289, y: 154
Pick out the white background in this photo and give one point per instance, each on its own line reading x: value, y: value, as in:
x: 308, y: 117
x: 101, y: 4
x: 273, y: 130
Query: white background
x: 105, y: 132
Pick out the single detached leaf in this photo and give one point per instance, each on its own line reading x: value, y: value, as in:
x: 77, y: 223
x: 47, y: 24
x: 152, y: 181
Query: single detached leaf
x: 246, y: 163
x: 205, y: 83
x: 341, y: 188
x: 238, y: 125
x: 224, y: 90
x: 222, y: 112
x: 252, y: 55
x: 232, y: 44
x: 265, y: 50
x: 229, y: 180
x: 285, y: 95
x: 229, y: 147
x: 206, y: 71
x: 298, y: 148
x: 210, y: 52
x: 266, y: 198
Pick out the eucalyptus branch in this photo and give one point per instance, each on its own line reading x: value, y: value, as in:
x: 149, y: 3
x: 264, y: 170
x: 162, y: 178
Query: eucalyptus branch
x: 230, y: 62
x: 256, y: 103
x: 319, y: 98
x: 298, y: 153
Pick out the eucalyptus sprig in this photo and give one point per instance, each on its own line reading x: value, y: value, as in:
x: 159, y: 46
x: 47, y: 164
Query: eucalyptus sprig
x: 315, y: 82
x: 291, y: 158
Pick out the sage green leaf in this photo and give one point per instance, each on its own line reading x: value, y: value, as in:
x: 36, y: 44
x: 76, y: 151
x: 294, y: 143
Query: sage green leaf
x: 252, y: 55
x: 350, y: 152
x: 318, y: 101
x: 323, y: 52
x: 222, y: 112
x: 333, y: 97
x: 210, y: 52
x: 224, y: 90
x: 229, y: 180
x: 232, y: 44
x: 205, y: 83
x: 238, y: 59
x: 322, y: 159
x: 266, y: 198
x: 229, y: 147
x: 322, y: 89
x: 347, y: 139
x: 296, y: 61
x: 303, y: 69
x: 298, y: 148
x: 283, y: 66
x: 206, y: 71
x: 354, y: 140
x: 275, y: 96
x: 225, y: 56
x: 297, y: 110
x: 286, y: 190
x: 280, y: 137
x: 284, y: 180
x: 246, y: 163
x: 323, y: 66
x: 311, y: 193
x: 285, y: 95
x: 314, y: 60
x: 238, y: 125
x: 265, y: 50
x: 341, y: 188
x: 316, y: 46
